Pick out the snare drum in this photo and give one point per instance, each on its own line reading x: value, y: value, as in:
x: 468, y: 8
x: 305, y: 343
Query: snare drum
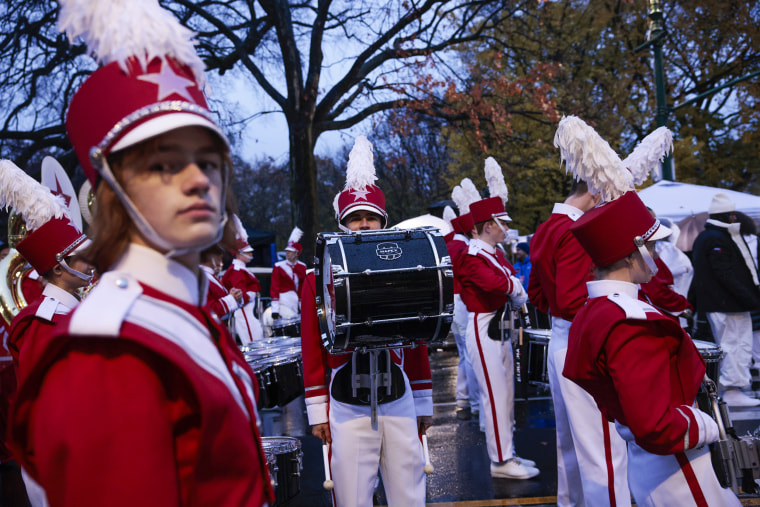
x: 287, y: 327
x: 712, y: 354
x: 288, y: 468
x: 383, y: 289
x: 538, y: 355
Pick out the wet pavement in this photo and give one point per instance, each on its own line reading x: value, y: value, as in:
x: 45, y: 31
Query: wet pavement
x: 461, y: 475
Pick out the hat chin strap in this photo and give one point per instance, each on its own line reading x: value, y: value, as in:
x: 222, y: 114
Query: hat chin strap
x: 641, y: 245
x: 142, y: 224
x: 72, y: 271
x: 498, y: 222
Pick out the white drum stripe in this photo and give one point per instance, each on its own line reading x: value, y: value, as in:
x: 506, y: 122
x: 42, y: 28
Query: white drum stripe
x: 182, y: 329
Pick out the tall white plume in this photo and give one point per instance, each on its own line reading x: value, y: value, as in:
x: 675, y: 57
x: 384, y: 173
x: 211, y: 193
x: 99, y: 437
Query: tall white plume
x: 470, y: 191
x: 116, y: 30
x: 295, y: 235
x: 27, y: 196
x: 240, y: 232
x: 457, y: 195
x: 495, y: 179
x: 360, y: 171
x: 448, y: 214
x: 648, y: 154
x: 591, y: 159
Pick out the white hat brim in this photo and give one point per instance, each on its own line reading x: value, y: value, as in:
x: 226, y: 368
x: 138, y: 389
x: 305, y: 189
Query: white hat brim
x: 662, y: 232
x: 165, y: 123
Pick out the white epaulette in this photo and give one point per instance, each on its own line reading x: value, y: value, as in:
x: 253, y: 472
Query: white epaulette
x: 310, y: 270
x: 473, y: 248
x: 47, y: 309
x: 634, y: 309
x: 106, y: 306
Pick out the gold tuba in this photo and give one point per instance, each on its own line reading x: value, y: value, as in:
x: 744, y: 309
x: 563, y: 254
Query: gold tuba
x: 12, y: 270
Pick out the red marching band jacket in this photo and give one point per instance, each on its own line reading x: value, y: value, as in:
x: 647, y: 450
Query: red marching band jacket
x: 640, y: 367
x: 318, y: 363
x: 170, y: 421
x: 287, y: 277
x: 659, y: 291
x: 559, y: 291
x: 456, y: 244
x: 238, y: 276
x: 486, y: 282
x: 218, y: 299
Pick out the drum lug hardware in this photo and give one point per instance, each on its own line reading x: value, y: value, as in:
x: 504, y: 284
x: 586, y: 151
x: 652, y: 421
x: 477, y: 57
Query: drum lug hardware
x: 367, y: 272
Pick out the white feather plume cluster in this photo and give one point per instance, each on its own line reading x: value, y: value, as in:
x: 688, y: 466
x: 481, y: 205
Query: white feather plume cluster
x: 495, y: 179
x: 116, y: 30
x: 448, y: 214
x: 295, y: 235
x: 648, y: 154
x: 360, y: 171
x: 240, y: 232
x: 27, y: 196
x: 591, y: 159
x: 470, y: 191
x: 457, y: 195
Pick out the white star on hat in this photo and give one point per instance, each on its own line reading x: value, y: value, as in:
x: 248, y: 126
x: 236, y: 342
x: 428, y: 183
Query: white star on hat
x: 168, y: 83
x: 360, y: 194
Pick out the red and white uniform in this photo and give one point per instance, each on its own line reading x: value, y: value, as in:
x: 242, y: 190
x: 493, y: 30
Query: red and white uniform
x: 287, y: 280
x: 357, y: 450
x: 467, y: 392
x: 247, y: 326
x: 218, y: 299
x: 659, y: 291
x: 141, y: 398
x: 591, y: 456
x: 644, y: 373
x: 487, y: 282
x: 40, y: 317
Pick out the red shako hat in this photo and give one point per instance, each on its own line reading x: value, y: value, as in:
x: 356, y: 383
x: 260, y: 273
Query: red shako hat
x: 293, y: 241
x: 51, y: 235
x: 494, y: 206
x: 616, y: 229
x: 360, y: 192
x: 463, y: 223
x: 150, y: 81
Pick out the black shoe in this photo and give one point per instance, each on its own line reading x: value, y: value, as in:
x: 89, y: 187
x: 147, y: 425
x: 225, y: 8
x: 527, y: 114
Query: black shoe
x: 463, y: 414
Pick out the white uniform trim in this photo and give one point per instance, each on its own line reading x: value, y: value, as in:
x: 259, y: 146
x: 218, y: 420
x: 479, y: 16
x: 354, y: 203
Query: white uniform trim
x: 57, y: 301
x: 623, y: 294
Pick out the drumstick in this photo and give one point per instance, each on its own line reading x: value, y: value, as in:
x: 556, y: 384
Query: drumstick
x: 428, y: 466
x: 328, y: 484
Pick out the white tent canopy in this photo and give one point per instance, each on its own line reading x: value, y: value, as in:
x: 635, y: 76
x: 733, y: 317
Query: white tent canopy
x: 426, y: 221
x: 677, y: 201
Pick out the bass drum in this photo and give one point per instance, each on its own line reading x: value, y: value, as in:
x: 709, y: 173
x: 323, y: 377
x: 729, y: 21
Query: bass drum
x: 383, y: 289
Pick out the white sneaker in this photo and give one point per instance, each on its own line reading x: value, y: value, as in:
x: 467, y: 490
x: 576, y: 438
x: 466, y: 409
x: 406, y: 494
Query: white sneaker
x: 525, y: 461
x: 736, y: 398
x: 512, y: 469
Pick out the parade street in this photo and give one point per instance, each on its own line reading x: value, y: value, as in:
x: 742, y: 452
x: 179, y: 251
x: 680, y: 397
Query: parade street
x: 461, y: 475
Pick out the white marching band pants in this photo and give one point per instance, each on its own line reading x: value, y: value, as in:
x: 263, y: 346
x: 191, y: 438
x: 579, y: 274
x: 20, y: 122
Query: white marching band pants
x: 468, y: 393
x: 683, y: 479
x: 733, y: 333
x: 493, y: 365
x: 583, y: 437
x: 247, y: 326
x: 357, y: 450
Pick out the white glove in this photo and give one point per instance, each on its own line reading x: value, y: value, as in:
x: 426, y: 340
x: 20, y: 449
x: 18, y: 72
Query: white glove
x: 518, y: 296
x: 708, y: 428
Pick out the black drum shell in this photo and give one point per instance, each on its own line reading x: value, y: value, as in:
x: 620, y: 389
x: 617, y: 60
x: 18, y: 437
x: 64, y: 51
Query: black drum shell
x: 421, y: 293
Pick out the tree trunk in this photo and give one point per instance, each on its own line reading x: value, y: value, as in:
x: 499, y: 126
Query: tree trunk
x: 303, y: 185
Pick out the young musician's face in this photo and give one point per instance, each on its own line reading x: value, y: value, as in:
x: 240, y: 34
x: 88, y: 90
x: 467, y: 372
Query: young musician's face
x: 640, y: 272
x: 363, y: 220
x: 178, y: 187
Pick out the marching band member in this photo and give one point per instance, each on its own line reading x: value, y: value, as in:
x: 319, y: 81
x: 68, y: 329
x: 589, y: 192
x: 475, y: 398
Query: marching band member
x: 591, y: 456
x: 141, y: 397
x: 467, y: 391
x: 51, y: 246
x: 219, y: 300
x: 337, y: 417
x: 639, y: 365
x: 488, y: 283
x: 247, y: 325
x: 287, y: 279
